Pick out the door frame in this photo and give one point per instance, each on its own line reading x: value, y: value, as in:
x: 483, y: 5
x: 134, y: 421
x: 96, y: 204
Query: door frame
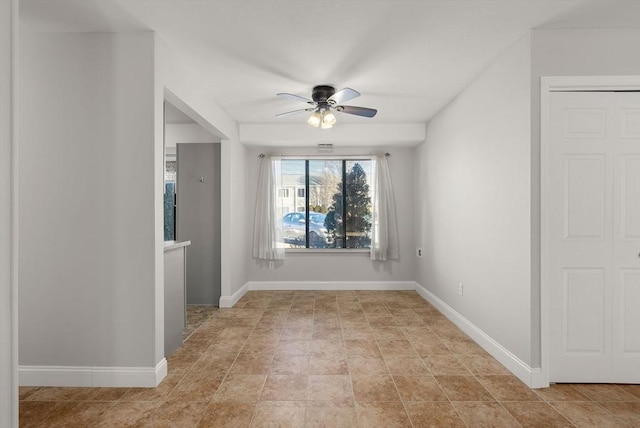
x: 549, y: 84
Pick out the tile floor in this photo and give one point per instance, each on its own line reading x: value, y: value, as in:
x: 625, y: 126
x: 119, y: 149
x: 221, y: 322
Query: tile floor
x: 332, y: 359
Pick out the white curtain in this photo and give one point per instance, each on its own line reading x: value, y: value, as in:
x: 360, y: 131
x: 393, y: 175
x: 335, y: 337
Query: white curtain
x: 384, y: 227
x: 267, y: 232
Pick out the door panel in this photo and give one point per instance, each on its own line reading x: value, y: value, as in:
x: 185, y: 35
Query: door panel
x: 594, y: 237
x: 198, y: 219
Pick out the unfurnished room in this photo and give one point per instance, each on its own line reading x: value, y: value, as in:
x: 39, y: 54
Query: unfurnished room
x: 356, y: 213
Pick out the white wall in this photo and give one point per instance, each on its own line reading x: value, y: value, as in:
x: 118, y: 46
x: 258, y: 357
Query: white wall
x: 181, y: 86
x: 186, y: 133
x: 86, y: 171
x: 569, y: 52
x: 8, y: 219
x: 472, y: 202
x: 340, y: 267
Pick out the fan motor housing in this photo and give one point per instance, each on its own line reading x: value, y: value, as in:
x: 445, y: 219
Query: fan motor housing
x: 322, y: 92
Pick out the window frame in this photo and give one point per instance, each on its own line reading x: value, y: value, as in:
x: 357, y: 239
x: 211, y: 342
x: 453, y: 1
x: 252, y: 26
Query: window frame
x: 343, y: 159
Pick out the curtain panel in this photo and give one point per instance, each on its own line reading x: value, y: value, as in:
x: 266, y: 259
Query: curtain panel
x: 267, y: 230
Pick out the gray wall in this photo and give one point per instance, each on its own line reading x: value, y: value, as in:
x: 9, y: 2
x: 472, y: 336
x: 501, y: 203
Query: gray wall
x: 198, y: 219
x: 340, y: 267
x: 8, y: 277
x: 86, y: 171
x: 472, y: 202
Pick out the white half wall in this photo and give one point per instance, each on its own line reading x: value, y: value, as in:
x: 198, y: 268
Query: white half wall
x: 8, y: 215
x: 86, y: 170
x: 179, y: 84
x: 472, y: 203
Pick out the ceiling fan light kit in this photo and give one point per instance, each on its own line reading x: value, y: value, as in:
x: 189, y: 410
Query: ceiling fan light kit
x: 324, y: 100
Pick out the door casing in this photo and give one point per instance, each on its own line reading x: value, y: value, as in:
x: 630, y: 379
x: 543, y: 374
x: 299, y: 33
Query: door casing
x: 550, y: 84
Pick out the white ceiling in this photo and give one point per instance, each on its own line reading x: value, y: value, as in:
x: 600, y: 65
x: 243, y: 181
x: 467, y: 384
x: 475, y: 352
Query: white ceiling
x: 407, y: 58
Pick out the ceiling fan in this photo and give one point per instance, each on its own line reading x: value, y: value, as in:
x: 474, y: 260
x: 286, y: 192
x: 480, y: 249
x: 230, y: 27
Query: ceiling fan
x: 324, y: 100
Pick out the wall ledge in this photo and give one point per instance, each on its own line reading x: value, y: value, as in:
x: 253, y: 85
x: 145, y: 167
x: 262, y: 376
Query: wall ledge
x: 82, y: 376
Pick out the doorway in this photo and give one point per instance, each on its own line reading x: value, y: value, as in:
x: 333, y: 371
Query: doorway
x: 591, y: 229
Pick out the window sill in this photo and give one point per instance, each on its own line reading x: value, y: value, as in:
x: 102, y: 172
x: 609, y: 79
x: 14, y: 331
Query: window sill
x: 342, y: 251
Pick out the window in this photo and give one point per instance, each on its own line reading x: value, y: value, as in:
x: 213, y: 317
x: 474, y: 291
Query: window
x: 333, y: 202
x: 283, y: 193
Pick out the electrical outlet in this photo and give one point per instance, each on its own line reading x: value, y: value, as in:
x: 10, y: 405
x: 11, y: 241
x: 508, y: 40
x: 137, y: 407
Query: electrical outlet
x: 460, y: 288
x: 418, y: 252
x: 272, y: 265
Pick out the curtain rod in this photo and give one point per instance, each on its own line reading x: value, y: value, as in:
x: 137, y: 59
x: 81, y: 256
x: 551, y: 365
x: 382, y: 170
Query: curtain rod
x: 387, y: 154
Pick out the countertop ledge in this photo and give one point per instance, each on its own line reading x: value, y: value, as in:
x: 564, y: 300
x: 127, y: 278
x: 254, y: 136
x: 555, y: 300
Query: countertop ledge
x: 172, y: 245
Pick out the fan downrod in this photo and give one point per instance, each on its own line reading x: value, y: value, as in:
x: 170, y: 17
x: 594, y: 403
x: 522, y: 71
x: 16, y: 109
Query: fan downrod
x: 321, y: 93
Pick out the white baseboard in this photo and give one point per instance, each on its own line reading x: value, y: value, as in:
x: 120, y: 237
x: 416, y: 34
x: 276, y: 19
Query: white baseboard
x: 229, y: 301
x: 145, y: 377
x: 532, y: 377
x: 330, y: 285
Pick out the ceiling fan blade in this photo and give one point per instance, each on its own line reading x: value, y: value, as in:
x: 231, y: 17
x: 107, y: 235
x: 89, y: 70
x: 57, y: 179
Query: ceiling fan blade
x: 294, y: 112
x: 295, y: 97
x: 358, y: 111
x: 343, y: 95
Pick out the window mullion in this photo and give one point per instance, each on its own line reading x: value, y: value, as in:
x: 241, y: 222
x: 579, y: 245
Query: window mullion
x: 306, y: 203
x: 344, y: 203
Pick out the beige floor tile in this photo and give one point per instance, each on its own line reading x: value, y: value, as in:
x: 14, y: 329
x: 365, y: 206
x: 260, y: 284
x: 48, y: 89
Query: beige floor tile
x: 322, y: 414
x: 33, y: 413
x: 485, y: 414
x: 396, y: 347
x: 362, y: 347
x: 122, y: 414
x: 535, y: 414
x: 294, y: 346
x: 561, y: 392
x: 285, y: 388
x: 227, y: 415
x: 175, y: 414
x: 374, y: 388
x: 463, y: 388
x: 326, y: 347
x: 367, y: 365
x: 326, y: 333
x: 285, y: 414
x: 406, y: 365
x: 382, y: 414
x: 329, y: 388
x: 160, y: 393
x: 245, y: 388
x: 388, y: 333
x: 631, y: 389
x: 424, y: 414
x: 196, y: 388
x: 252, y: 364
x: 605, y: 392
x: 328, y: 365
x: 77, y: 414
x: 318, y: 352
x: 507, y: 388
x: 445, y: 364
x: 288, y: 364
x: 629, y: 412
x: 587, y: 414
x: 419, y: 388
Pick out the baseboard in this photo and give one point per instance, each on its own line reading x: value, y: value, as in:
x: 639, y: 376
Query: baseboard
x: 330, y: 285
x: 532, y: 377
x: 145, y: 377
x: 229, y: 301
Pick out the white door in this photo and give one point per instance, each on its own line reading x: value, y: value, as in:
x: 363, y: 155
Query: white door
x: 594, y: 237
